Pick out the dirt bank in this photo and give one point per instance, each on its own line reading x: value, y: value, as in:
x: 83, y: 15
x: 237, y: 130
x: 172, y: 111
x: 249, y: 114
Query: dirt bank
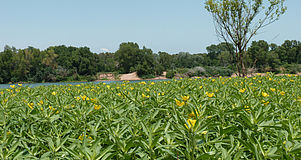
x: 127, y: 77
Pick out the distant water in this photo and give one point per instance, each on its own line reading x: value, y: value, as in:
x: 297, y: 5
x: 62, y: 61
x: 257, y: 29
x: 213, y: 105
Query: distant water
x: 75, y: 83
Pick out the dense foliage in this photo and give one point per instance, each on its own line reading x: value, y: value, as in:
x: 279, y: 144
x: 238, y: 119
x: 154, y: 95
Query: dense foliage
x: 61, y: 63
x: 226, y: 118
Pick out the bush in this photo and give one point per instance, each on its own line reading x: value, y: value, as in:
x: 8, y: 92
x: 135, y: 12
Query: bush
x: 190, y: 73
x: 170, y: 74
x: 290, y: 68
x: 199, y: 71
x: 182, y: 70
x: 143, y: 71
x: 213, y: 71
x: 159, y: 70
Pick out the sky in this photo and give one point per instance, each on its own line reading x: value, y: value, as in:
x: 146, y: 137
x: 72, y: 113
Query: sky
x: 162, y: 25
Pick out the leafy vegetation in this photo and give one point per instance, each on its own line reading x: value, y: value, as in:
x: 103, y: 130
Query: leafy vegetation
x: 227, y: 118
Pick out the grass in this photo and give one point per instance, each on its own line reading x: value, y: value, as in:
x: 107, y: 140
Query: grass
x: 227, y: 118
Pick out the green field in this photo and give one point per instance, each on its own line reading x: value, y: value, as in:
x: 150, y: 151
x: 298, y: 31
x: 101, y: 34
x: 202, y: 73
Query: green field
x: 214, y: 118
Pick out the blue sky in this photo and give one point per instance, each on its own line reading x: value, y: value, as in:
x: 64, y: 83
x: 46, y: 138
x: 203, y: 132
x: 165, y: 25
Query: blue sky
x: 162, y: 25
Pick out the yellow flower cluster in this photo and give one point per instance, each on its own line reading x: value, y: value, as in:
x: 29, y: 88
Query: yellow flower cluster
x: 179, y: 103
x: 185, y: 98
x: 209, y: 94
x: 97, y: 107
x: 144, y: 96
x: 191, y: 123
x: 242, y: 90
x: 81, y: 137
x: 30, y: 105
x: 264, y: 94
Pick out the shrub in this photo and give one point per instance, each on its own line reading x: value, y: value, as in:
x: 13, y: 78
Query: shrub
x: 170, y: 74
x: 144, y: 71
x: 290, y: 68
x: 213, y: 71
x: 199, y: 71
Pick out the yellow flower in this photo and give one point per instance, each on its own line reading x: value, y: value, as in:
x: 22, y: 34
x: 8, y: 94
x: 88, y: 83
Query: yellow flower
x: 209, y: 94
x: 108, y: 86
x: 30, y: 105
x: 143, y: 95
x: 83, y: 97
x: 191, y: 123
x: 97, y: 107
x: 20, y: 84
x: 152, y: 83
x: 247, y: 108
x: 12, y: 86
x: 179, y: 103
x: 1, y: 92
x: 147, y: 89
x: 264, y: 94
x: 53, y: 93
x: 192, y: 114
x: 282, y: 93
x: 93, y: 100
x: 265, y: 102
x: 119, y: 94
x: 185, y: 98
x: 273, y: 89
x: 81, y: 137
x: 201, y: 87
x: 242, y: 90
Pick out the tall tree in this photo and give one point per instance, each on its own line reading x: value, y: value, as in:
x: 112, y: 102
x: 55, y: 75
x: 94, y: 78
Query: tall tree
x: 237, y: 21
x: 127, y: 56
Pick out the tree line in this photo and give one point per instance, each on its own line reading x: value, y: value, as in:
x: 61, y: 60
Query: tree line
x: 62, y: 63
